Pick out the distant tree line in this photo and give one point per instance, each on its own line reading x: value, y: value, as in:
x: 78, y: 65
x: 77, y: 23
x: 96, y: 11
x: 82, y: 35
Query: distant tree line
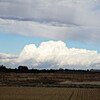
x: 24, y: 69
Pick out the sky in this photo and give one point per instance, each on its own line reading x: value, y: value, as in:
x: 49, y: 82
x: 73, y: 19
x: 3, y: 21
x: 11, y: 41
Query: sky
x: 42, y: 33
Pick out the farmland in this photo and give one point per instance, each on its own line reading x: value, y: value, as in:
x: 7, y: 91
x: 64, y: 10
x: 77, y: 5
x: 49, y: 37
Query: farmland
x: 50, y: 80
x: 49, y: 86
x: 33, y: 93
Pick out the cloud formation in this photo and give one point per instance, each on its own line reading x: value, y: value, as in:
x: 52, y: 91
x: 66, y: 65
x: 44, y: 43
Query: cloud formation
x: 56, y: 19
x: 53, y: 54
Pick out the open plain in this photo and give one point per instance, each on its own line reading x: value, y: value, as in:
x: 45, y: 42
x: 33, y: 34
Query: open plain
x: 31, y: 93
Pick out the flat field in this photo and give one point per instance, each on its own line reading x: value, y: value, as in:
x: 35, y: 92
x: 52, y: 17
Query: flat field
x: 50, y: 80
x: 37, y: 93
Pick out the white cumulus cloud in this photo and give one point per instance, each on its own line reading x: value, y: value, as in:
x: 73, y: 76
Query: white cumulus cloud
x: 53, y: 54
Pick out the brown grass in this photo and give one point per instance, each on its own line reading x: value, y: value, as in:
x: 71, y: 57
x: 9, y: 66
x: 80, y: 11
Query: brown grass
x: 48, y: 76
x: 29, y: 93
x: 50, y: 79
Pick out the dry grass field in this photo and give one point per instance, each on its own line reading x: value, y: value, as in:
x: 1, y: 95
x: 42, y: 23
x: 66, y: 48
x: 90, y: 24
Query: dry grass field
x: 30, y: 93
x: 44, y: 86
x: 50, y: 80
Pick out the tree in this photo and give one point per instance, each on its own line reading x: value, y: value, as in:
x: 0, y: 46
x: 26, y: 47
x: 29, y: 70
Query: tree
x: 23, y: 68
x: 3, y: 68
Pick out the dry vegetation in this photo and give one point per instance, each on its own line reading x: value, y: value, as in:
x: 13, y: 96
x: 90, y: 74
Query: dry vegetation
x: 44, y: 86
x: 29, y: 93
x: 50, y: 79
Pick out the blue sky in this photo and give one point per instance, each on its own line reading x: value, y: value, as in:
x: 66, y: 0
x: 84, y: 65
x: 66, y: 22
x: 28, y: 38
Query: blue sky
x: 55, y: 27
x: 96, y: 8
x: 14, y: 44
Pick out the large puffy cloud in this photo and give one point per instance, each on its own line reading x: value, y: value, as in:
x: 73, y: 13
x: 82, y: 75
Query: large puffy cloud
x: 57, y: 19
x: 53, y: 54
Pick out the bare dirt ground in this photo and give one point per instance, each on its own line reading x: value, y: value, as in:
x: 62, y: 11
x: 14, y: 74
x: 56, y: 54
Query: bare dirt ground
x: 31, y: 93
